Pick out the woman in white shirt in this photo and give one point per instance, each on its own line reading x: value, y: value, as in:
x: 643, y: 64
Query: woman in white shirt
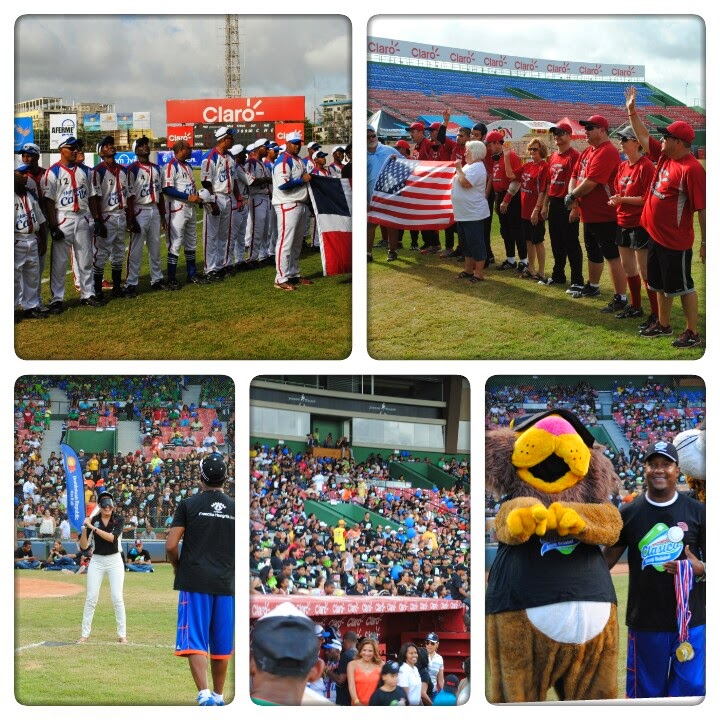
x: 409, y: 676
x: 470, y: 207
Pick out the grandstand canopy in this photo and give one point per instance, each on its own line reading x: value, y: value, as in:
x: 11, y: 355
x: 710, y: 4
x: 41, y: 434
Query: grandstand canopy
x: 387, y: 125
x: 518, y: 129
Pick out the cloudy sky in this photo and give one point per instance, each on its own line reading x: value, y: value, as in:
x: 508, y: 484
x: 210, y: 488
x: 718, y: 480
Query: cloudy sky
x: 672, y: 48
x: 139, y: 62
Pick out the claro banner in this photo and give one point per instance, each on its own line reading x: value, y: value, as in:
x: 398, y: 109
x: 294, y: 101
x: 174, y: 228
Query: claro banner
x: 180, y: 132
x: 387, y: 47
x: 236, y: 110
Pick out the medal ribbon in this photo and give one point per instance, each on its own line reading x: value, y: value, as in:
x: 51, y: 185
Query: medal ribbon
x: 683, y: 586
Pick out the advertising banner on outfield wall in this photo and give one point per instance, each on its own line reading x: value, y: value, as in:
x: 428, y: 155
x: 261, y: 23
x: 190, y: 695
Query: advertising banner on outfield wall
x: 387, y: 47
x: 108, y: 122
x: 180, y: 132
x: 141, y: 120
x: 61, y: 125
x: 24, y: 132
x: 91, y: 122
x: 282, y: 130
x: 125, y: 121
x: 229, y: 111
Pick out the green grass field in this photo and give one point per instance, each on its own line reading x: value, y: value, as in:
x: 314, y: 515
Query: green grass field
x: 50, y: 669
x: 417, y: 309
x: 244, y: 317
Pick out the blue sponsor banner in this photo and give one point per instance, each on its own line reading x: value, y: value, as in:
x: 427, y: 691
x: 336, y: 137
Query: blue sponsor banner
x: 125, y: 121
x: 91, y: 122
x: 24, y: 132
x: 125, y: 158
x: 75, y: 487
x: 165, y: 156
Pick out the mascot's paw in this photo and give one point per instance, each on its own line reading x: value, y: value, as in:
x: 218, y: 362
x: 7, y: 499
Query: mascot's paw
x: 524, y: 522
x: 564, y: 520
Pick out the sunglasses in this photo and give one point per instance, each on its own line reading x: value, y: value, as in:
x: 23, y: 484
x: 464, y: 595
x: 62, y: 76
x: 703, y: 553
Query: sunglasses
x: 671, y: 137
x: 624, y: 140
x: 588, y: 128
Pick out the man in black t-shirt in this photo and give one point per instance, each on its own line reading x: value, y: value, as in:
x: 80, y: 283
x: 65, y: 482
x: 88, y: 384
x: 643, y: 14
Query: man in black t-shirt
x: 664, y: 533
x: 456, y: 585
x: 205, y: 577
x: 339, y: 676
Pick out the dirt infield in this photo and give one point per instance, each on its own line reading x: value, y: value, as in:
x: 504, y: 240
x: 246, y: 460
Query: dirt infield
x: 30, y: 587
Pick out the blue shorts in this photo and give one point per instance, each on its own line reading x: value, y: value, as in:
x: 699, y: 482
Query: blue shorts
x: 653, y: 670
x: 206, y: 625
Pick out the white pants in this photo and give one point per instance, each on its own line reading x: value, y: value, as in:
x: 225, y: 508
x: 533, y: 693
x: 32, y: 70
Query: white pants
x: 78, y: 238
x: 181, y: 228
x: 100, y: 566
x: 148, y: 217
x: 257, y: 235
x: 238, y: 226
x: 26, y: 271
x: 216, y: 233
x: 291, y: 218
x: 272, y: 231
x: 111, y: 247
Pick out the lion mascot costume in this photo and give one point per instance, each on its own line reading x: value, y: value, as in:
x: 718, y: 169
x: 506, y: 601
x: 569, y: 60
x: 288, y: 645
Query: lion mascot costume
x: 690, y: 445
x: 551, y: 606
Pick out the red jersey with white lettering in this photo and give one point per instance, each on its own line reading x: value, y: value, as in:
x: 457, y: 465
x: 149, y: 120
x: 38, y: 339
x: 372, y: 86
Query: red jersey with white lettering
x: 533, y: 182
x: 424, y: 151
x: 633, y: 181
x: 560, y: 168
x: 499, y: 179
x: 600, y: 165
x: 677, y: 192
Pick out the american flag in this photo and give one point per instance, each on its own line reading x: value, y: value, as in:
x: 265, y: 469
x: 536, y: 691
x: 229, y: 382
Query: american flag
x: 413, y: 194
x: 332, y: 203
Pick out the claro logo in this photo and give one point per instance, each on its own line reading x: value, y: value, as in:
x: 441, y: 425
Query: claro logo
x: 564, y: 68
x: 459, y: 58
x: 629, y: 72
x: 522, y: 65
x: 433, y: 54
x: 220, y: 114
x: 283, y: 135
x: 585, y: 70
x: 378, y: 48
x: 495, y: 62
x: 174, y: 137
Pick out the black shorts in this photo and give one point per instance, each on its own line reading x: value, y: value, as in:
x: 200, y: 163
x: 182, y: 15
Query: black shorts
x: 669, y: 270
x: 634, y: 238
x: 601, y: 241
x: 533, y: 234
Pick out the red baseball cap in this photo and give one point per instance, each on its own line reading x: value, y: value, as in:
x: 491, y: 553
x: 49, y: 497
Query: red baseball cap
x: 403, y: 144
x: 562, y: 127
x: 680, y: 130
x: 598, y: 120
x: 494, y: 136
x: 435, y: 126
x: 417, y: 126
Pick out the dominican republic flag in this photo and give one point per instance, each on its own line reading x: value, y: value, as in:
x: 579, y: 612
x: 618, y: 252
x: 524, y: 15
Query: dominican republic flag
x: 75, y: 487
x: 332, y: 203
x: 413, y: 194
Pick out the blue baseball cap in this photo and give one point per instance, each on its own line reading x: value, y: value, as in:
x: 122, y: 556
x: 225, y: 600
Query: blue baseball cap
x: 22, y: 168
x: 68, y: 141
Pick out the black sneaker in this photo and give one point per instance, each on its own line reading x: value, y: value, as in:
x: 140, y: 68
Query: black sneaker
x: 490, y: 260
x: 214, y: 277
x: 588, y: 290
x: 130, y: 291
x: 381, y: 244
x: 507, y: 265
x: 575, y: 287
x: 557, y: 280
x: 651, y: 320
x: 91, y: 301
x: 522, y: 268
x: 617, y: 303
x: 56, y: 308
x: 35, y: 314
x: 656, y: 330
x: 688, y: 339
x: 159, y: 285
x: 392, y: 255
x: 197, y: 280
x: 173, y: 285
x: 630, y: 312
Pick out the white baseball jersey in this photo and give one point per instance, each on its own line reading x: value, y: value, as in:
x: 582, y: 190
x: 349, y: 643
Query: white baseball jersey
x: 70, y: 188
x: 28, y: 215
x: 179, y: 182
x: 334, y: 170
x: 288, y: 185
x: 111, y: 185
x: 218, y: 170
x: 28, y: 218
x: 145, y: 183
x: 255, y: 168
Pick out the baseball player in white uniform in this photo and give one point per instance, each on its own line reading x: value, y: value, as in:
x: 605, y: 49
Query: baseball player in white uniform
x: 257, y: 234
x: 270, y: 160
x: 112, y: 208
x: 67, y: 192
x: 217, y: 174
x: 335, y: 167
x: 145, y: 181
x: 238, y: 223
x: 291, y: 202
x: 29, y: 225
x: 182, y: 196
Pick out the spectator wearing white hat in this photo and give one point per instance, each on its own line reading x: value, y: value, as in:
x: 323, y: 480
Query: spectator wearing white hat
x: 217, y: 176
x: 257, y: 233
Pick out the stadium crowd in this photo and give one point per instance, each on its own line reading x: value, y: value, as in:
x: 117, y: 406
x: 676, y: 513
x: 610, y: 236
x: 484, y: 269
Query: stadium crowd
x: 242, y: 191
x: 147, y: 482
x: 637, y: 210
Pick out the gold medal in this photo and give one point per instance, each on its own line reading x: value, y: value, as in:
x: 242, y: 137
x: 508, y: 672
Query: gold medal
x: 685, y: 652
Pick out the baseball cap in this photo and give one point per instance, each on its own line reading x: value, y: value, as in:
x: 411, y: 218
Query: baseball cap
x: 319, y: 154
x: 320, y: 631
x: 30, y: 149
x: 222, y: 132
x: 678, y: 129
x: 432, y: 637
x: 494, y: 136
x: 666, y: 449
x: 402, y: 144
x: 338, y: 147
x: 334, y: 644
x: 250, y: 147
x: 294, y: 137
x: 416, y: 126
x: 391, y: 667
x: 107, y: 140
x: 237, y: 149
x: 140, y: 141
x: 284, y: 642
x: 627, y: 134
x: 68, y: 141
x: 451, y: 682
x: 561, y: 128
x: 435, y: 126
x: 138, y: 542
x: 314, y: 145
x: 105, y: 499
x: 22, y: 168
x: 598, y: 120
x: 213, y: 470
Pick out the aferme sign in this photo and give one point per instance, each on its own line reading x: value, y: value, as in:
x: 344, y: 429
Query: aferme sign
x: 476, y: 58
x: 236, y: 110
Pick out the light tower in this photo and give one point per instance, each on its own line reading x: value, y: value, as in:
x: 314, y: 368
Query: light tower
x: 233, y: 81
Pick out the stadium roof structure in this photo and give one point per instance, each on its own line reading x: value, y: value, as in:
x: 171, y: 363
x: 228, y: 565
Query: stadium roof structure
x: 387, y: 125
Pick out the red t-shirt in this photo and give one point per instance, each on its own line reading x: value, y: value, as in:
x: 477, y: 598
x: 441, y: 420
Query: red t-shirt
x: 458, y: 152
x: 560, y: 167
x: 677, y: 192
x: 599, y: 165
x: 633, y: 181
x: 445, y: 151
x: 423, y: 150
x: 533, y: 181
x: 499, y: 178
